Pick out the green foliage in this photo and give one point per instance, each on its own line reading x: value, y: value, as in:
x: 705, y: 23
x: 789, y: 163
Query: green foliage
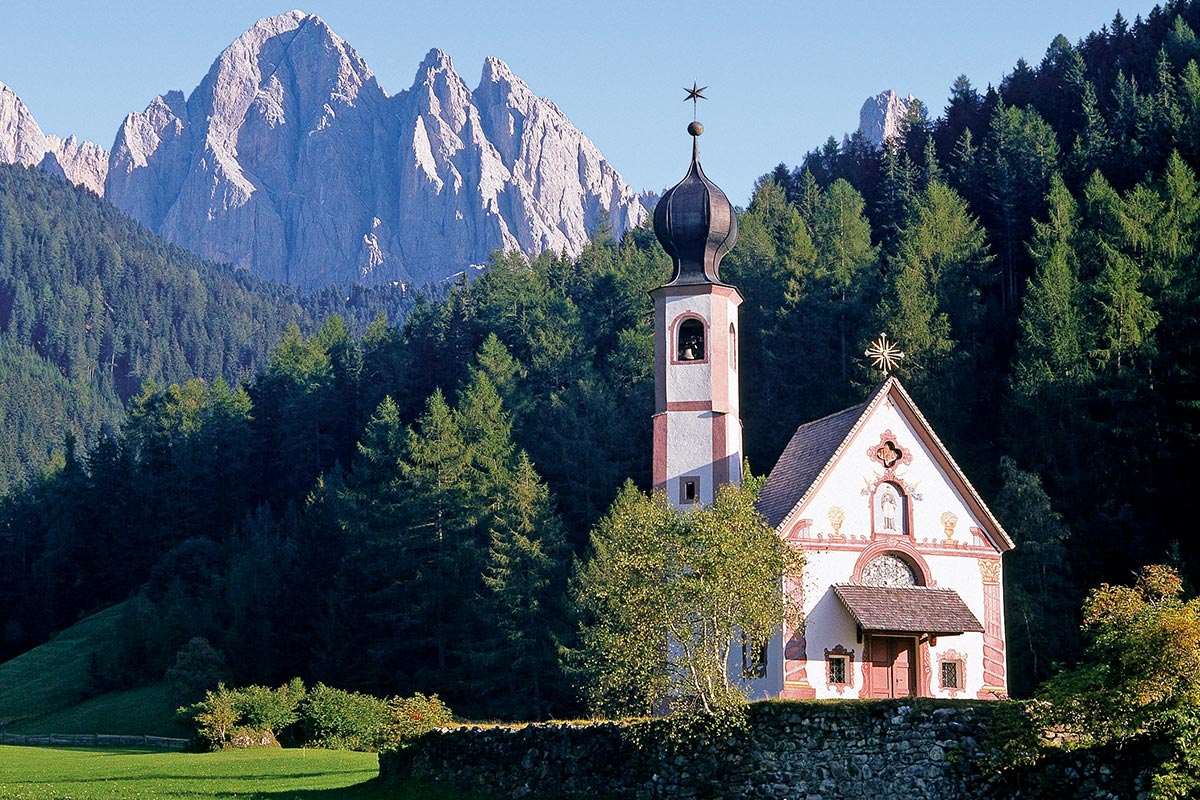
x: 1032, y: 250
x: 216, y: 716
x: 410, y: 717
x: 270, y: 709
x: 198, y: 668
x: 340, y: 720
x: 89, y: 294
x: 1139, y: 677
x: 526, y: 582
x: 1041, y: 618
x: 232, y: 717
x: 327, y: 717
x: 665, y: 593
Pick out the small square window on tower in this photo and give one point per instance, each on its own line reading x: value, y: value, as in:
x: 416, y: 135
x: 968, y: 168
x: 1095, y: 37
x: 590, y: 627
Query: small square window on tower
x: 689, y: 489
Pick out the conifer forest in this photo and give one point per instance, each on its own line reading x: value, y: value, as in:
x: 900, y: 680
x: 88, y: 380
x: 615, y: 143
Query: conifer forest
x: 390, y: 490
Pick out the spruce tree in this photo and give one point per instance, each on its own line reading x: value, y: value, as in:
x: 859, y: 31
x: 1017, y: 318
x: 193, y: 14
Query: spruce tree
x: 1051, y: 375
x: 525, y: 582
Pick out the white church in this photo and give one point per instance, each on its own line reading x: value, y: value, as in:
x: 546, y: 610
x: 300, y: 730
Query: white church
x: 902, y: 589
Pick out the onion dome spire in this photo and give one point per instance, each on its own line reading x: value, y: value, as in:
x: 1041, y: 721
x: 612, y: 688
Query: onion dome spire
x: 695, y: 222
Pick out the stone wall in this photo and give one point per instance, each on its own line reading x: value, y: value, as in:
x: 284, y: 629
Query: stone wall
x: 799, y: 751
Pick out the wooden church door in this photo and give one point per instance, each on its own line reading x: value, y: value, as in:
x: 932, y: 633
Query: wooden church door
x: 893, y: 666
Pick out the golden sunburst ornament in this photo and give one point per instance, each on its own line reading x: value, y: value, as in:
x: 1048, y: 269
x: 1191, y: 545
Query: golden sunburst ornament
x: 884, y: 355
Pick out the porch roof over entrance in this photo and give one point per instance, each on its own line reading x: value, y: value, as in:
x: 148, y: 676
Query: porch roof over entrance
x: 907, y: 609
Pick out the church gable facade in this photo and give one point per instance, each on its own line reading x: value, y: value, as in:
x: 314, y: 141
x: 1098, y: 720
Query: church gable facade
x: 902, y: 584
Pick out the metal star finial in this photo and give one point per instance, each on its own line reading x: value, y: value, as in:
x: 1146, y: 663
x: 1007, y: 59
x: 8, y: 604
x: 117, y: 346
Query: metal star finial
x: 884, y: 355
x: 695, y: 94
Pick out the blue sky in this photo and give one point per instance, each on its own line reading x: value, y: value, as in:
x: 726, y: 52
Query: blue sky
x: 782, y: 76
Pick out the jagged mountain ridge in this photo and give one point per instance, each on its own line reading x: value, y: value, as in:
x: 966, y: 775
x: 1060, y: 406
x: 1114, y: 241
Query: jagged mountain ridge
x: 23, y: 142
x: 290, y: 160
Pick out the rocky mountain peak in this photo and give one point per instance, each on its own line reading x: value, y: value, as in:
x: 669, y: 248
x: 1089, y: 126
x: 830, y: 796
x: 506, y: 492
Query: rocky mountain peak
x: 881, y: 116
x: 497, y: 83
x: 23, y: 142
x: 495, y: 71
x: 436, y: 60
x: 290, y: 161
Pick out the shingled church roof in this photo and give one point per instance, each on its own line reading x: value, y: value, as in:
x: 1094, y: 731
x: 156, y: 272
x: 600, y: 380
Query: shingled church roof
x: 810, y: 449
x: 907, y: 609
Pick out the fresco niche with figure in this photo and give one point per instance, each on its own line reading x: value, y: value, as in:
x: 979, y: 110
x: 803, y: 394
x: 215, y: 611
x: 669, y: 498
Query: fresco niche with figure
x: 891, y: 497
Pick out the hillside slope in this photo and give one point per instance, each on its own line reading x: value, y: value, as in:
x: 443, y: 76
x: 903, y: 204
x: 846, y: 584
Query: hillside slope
x: 92, y: 306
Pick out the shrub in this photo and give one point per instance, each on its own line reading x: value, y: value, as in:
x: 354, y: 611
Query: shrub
x: 248, y: 717
x: 215, y: 716
x: 254, y: 716
x: 268, y: 709
x: 409, y: 717
x: 1139, y: 679
x: 341, y: 720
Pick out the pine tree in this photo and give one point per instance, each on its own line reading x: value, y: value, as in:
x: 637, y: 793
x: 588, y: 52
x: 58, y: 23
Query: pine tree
x: 1052, y: 334
x: 1126, y: 313
x: 809, y: 194
x: 1129, y: 117
x: 964, y: 112
x: 441, y: 512
x: 1182, y: 45
x: 1040, y: 593
x: 1093, y: 147
x: 1020, y: 155
x: 934, y: 306
x: 1164, y: 116
x: 1189, y: 107
x: 845, y: 274
x: 525, y: 584
x: 964, y: 168
x: 896, y: 192
x: 1050, y: 374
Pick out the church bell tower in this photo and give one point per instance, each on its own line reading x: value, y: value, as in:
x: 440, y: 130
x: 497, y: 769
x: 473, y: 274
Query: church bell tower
x: 697, y: 424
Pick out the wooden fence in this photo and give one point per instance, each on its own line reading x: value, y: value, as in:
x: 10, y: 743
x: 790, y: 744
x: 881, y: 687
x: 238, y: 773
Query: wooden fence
x: 92, y: 740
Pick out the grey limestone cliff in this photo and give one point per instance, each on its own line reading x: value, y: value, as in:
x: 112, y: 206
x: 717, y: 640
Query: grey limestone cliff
x: 23, y: 142
x: 881, y: 115
x: 289, y: 160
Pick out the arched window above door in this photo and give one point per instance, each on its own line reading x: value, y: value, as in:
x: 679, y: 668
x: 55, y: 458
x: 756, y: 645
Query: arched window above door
x: 889, y: 570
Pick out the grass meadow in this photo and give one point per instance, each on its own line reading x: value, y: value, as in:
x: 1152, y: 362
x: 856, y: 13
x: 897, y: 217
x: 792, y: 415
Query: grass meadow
x: 47, y: 773
x: 55, y: 676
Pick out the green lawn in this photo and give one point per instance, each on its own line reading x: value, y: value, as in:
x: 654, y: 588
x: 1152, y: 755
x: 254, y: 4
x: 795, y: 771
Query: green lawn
x: 44, y: 773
